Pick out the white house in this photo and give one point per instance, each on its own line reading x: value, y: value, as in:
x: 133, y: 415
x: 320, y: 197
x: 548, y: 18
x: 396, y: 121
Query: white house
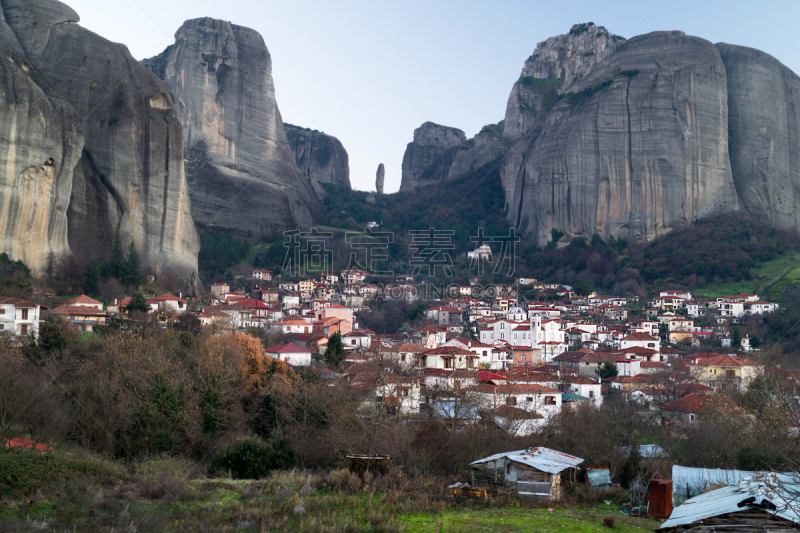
x: 760, y: 307
x: 19, y: 317
x: 291, y: 353
x: 167, y: 302
x: 399, y: 392
x: 640, y: 340
x: 262, y: 274
x: 403, y: 354
x: 359, y: 338
x: 483, y: 351
x: 291, y: 325
x: 587, y: 388
x: 447, y: 357
x: 528, y: 396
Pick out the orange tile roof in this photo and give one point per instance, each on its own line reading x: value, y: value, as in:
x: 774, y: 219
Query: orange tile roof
x: 83, y: 299
x: 724, y: 360
x: 691, y: 403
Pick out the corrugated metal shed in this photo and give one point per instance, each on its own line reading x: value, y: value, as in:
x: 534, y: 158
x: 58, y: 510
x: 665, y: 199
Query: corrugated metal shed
x: 541, y: 458
x: 688, y: 482
x: 756, y: 491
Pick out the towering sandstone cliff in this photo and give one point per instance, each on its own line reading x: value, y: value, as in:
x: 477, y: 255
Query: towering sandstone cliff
x: 422, y: 162
x: 634, y: 148
x: 764, y: 134
x: 130, y: 174
x: 319, y: 156
x: 552, y: 68
x: 241, y: 170
x: 40, y: 143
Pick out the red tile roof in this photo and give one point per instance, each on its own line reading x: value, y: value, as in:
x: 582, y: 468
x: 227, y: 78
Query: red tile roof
x: 83, y: 299
x: 405, y: 348
x: 167, y: 297
x: 287, y: 348
x: 724, y: 361
x: 691, y: 403
x: 16, y: 302
x: 514, y: 388
x: 78, y: 310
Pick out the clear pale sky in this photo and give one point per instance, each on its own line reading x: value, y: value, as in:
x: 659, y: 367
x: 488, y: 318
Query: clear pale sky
x: 370, y: 71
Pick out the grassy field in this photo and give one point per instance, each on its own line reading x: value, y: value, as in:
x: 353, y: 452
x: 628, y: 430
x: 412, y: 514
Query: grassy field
x: 768, y: 282
x: 55, y: 491
x: 576, y: 520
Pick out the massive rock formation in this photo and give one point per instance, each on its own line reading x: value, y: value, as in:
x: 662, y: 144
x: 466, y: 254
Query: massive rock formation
x: 319, y: 156
x: 40, y: 143
x: 130, y: 175
x: 422, y: 163
x: 554, y: 66
x: 380, y: 176
x: 488, y: 145
x: 440, y: 153
x: 636, y: 147
x: 764, y: 134
x: 241, y: 169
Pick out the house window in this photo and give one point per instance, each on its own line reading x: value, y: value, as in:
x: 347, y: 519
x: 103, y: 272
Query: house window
x: 448, y: 363
x: 24, y: 314
x: 529, y: 399
x: 2, y: 311
x: 549, y: 400
x: 691, y: 417
x: 405, y: 392
x: 730, y: 374
x: 23, y: 329
x: 403, y: 358
x: 591, y: 394
x: 511, y: 400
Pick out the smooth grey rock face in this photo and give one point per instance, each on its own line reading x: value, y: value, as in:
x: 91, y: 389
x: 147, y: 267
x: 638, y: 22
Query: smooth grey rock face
x: 380, y: 176
x: 319, y: 156
x: 241, y: 169
x: 422, y: 163
x: 40, y: 143
x: 764, y: 134
x: 133, y: 149
x: 488, y: 145
x: 637, y: 147
x: 555, y: 65
x: 32, y: 21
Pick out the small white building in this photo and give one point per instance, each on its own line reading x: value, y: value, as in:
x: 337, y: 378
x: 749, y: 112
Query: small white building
x: 291, y: 353
x: 528, y: 396
x: 19, y: 318
x: 640, y: 340
x: 587, y: 388
x: 167, y: 303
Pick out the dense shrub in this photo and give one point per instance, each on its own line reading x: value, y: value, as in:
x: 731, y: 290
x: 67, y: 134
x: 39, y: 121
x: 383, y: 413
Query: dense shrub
x: 252, y: 458
x: 26, y: 471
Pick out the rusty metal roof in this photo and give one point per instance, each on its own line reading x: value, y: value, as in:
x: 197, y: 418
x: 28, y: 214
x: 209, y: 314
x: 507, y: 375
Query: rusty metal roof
x: 540, y: 458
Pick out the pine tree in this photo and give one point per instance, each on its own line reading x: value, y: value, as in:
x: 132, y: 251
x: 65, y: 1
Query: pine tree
x: 116, y: 265
x: 133, y: 268
x: 736, y: 341
x: 334, y: 353
x: 91, y: 279
x: 608, y: 370
x: 138, y: 303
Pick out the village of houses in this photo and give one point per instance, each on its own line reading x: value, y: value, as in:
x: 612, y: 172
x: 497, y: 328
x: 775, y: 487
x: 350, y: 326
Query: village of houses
x: 521, y: 362
x: 516, y: 363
